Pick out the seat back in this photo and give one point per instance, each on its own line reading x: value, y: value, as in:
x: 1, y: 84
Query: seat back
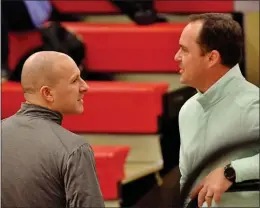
x: 162, y: 6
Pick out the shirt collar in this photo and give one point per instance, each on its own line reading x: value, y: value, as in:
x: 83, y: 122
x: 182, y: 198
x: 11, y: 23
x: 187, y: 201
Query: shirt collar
x: 221, y: 88
x: 40, y: 112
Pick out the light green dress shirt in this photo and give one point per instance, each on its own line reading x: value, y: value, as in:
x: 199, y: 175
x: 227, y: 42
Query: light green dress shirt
x: 226, y: 113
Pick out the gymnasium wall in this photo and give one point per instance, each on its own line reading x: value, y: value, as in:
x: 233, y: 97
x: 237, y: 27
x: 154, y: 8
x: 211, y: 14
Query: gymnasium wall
x: 251, y: 22
x: 252, y: 47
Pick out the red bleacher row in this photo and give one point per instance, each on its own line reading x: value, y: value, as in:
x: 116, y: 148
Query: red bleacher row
x: 114, y: 47
x: 115, y: 107
x: 110, y: 107
x: 163, y: 6
x: 121, y: 47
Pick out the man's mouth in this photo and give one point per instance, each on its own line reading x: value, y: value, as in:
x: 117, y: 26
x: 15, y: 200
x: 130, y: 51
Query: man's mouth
x: 81, y: 100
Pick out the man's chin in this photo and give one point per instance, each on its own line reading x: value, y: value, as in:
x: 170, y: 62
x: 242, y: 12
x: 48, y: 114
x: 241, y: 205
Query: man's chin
x: 80, y: 110
x: 75, y: 111
x: 182, y: 80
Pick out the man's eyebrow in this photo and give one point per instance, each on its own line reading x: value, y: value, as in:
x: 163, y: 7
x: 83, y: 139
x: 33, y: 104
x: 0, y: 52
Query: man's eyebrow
x: 74, y: 77
x: 182, y: 46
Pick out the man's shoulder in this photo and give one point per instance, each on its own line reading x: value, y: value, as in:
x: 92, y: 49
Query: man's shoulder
x: 190, y: 105
x: 248, y: 96
x: 7, y: 121
x: 246, y: 105
x: 69, y: 140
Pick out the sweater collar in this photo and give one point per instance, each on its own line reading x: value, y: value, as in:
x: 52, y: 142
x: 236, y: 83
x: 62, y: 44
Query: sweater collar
x: 33, y: 110
x: 224, y: 86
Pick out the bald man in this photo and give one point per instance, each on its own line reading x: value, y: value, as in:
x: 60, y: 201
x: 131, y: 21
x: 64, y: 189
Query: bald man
x: 43, y: 164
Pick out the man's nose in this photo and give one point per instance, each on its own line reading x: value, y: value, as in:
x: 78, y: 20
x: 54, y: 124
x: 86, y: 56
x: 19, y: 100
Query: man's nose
x: 84, y: 86
x: 177, y: 56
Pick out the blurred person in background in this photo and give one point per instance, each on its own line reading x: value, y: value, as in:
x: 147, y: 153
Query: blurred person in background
x: 20, y: 16
x: 142, y: 12
x: 25, y: 16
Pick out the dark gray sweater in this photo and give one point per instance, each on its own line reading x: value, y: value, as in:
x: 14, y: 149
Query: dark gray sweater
x: 45, y: 165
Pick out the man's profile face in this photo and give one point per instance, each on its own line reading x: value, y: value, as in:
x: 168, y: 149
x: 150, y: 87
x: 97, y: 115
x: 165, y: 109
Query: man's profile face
x: 69, y: 90
x: 189, y: 56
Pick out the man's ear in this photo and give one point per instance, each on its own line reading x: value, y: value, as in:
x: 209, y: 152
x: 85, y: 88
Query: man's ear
x: 46, y: 93
x: 214, y: 58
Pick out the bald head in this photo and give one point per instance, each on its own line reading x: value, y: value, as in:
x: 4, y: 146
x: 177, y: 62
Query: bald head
x: 42, y: 68
x: 52, y: 80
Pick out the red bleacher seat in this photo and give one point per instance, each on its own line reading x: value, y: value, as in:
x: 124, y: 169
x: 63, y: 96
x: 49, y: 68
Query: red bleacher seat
x: 110, y: 161
x: 163, y: 6
x: 115, y: 47
x: 110, y: 107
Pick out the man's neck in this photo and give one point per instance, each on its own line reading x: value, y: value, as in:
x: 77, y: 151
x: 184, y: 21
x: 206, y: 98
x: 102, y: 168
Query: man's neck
x: 212, y: 77
x: 34, y: 101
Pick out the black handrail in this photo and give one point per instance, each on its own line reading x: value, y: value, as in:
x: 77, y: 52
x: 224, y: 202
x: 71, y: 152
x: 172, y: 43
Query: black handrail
x: 250, y: 185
